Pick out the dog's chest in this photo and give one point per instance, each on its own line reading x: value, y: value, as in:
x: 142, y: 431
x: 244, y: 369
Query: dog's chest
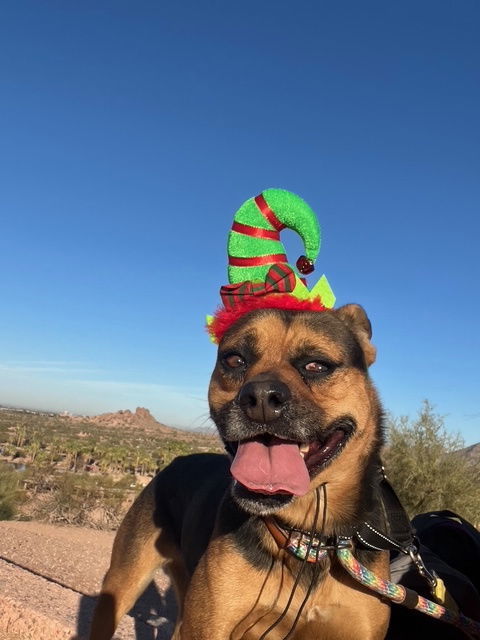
x: 331, y: 622
x: 334, y: 612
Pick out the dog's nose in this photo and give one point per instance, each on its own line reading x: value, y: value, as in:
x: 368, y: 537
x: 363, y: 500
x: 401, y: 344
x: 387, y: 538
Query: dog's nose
x: 264, y: 400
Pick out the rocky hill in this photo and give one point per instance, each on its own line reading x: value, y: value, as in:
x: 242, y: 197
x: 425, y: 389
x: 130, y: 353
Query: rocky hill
x: 140, y: 422
x: 472, y: 452
x: 141, y: 418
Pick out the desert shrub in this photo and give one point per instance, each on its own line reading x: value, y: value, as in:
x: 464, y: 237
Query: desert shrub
x: 10, y: 492
x: 425, y: 465
x: 85, y: 500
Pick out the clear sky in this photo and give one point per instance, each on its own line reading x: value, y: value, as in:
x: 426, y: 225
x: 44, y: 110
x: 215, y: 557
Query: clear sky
x: 130, y: 133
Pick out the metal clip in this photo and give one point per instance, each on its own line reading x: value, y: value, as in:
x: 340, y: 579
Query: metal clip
x: 344, y: 542
x: 421, y: 568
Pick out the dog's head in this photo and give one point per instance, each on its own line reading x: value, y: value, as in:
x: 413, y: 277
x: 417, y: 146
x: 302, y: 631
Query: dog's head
x: 292, y: 400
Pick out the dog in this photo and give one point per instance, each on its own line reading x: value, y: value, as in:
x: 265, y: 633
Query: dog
x: 299, y: 416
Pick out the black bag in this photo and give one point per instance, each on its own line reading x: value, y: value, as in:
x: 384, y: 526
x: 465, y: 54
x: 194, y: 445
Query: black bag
x: 453, y: 539
x: 450, y: 546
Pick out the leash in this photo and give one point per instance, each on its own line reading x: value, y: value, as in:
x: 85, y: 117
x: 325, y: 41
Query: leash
x: 401, y: 595
x: 307, y: 546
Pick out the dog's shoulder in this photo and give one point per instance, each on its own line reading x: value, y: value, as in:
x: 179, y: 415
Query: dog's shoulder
x: 189, y: 479
x: 187, y: 496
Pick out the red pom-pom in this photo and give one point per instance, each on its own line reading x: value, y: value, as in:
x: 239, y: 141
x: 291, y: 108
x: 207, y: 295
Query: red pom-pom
x: 305, y: 265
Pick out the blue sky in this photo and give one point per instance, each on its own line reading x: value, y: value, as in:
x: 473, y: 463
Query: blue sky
x: 132, y: 131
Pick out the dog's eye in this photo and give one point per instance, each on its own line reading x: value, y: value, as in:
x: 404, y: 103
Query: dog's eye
x: 317, y: 367
x: 234, y: 361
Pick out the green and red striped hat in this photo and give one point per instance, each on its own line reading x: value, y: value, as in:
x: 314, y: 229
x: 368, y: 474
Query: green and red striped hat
x: 258, y: 271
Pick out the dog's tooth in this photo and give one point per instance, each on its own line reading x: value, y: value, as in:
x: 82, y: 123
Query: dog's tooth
x: 304, y: 448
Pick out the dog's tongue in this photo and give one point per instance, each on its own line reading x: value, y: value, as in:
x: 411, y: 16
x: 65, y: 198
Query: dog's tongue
x: 274, y: 468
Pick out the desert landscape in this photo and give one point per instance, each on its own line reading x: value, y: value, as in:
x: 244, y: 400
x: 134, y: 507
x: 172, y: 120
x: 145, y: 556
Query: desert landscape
x: 65, y: 484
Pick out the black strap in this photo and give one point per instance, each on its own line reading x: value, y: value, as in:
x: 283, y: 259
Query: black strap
x: 399, y: 522
x: 399, y: 535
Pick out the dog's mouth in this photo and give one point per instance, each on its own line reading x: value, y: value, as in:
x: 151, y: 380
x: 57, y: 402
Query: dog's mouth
x: 270, y: 465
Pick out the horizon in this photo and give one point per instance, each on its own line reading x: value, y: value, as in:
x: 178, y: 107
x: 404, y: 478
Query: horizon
x: 71, y: 414
x: 198, y: 429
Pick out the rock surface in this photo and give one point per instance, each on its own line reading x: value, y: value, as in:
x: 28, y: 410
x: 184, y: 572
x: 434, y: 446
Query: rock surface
x: 48, y: 577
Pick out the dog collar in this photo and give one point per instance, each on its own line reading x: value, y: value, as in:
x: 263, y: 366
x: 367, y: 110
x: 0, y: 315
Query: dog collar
x: 398, y: 537
x: 305, y: 545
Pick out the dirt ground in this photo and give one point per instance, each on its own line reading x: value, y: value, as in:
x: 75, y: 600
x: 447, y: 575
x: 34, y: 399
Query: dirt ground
x: 49, y: 576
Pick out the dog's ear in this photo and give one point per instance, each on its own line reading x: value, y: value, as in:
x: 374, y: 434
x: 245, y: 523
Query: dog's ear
x: 354, y: 316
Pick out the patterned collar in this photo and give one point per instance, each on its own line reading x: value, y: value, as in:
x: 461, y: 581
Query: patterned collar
x: 305, y: 545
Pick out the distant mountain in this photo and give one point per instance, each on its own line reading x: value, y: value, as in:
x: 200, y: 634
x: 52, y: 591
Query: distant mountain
x: 472, y: 452
x: 141, y: 418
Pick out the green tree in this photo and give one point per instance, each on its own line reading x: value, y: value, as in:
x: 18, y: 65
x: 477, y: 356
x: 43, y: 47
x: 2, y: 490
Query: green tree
x: 425, y: 465
x: 33, y: 447
x: 19, y: 434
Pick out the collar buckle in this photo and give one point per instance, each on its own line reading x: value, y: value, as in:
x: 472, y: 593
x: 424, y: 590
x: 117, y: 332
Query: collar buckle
x: 344, y: 542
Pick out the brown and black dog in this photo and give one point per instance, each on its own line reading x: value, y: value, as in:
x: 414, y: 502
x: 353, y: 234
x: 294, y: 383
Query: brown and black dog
x: 293, y: 403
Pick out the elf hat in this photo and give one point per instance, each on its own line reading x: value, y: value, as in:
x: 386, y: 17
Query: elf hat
x: 258, y: 271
